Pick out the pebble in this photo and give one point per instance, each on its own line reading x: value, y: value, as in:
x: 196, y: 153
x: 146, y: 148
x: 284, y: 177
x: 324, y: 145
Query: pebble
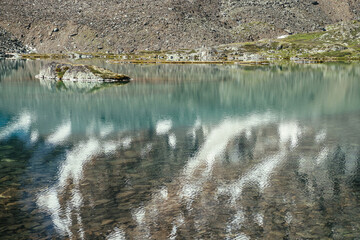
x: 101, y: 201
x: 130, y: 154
x: 106, y: 222
x: 4, y: 179
x: 125, y: 194
x: 30, y: 225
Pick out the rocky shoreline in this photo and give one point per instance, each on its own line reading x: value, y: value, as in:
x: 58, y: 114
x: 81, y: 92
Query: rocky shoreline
x: 9, y: 44
x: 337, y: 42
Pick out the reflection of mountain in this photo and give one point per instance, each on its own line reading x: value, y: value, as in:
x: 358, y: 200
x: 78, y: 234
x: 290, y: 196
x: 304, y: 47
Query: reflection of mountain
x: 8, y: 67
x: 254, y: 177
x: 78, y: 87
x: 216, y: 92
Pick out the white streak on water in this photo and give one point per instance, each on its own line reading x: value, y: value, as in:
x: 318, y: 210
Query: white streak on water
x: 289, y: 132
x: 34, y: 136
x: 322, y: 156
x: 50, y: 202
x: 106, y: 130
x: 211, y: 151
x: 261, y: 173
x: 196, y: 127
x: 248, y: 133
x: 76, y: 203
x: 126, y: 142
x: 110, y: 147
x: 242, y: 236
x: 72, y: 168
x: 60, y: 135
x: 239, y: 218
x: 172, y: 140
x: 116, y: 234
x: 22, y: 123
x: 145, y: 150
x: 139, y: 216
x: 163, y: 193
x: 73, y: 165
x: 235, y: 224
x: 288, y: 218
x: 259, y: 219
x: 176, y: 224
x: 219, y: 138
x: 163, y: 127
x: 320, y: 137
x: 259, y: 176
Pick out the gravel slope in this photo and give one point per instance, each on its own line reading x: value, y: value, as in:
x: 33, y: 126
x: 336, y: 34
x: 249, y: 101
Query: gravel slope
x: 125, y: 26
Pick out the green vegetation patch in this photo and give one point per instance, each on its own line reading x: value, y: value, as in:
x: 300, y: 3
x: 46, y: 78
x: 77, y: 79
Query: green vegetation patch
x: 104, y: 86
x: 251, y: 47
x: 60, y: 85
x: 304, y: 37
x: 335, y: 54
x: 107, y: 74
x: 61, y: 71
x: 34, y: 56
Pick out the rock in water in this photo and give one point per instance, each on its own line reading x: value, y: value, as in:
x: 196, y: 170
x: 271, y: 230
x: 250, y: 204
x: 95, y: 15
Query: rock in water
x: 81, y: 73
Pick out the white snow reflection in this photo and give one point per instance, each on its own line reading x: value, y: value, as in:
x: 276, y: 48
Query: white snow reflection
x: 70, y: 174
x: 163, y: 127
x: 21, y: 123
x: 60, y: 135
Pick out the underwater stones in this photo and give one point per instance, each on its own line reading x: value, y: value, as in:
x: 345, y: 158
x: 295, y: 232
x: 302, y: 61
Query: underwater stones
x: 106, y: 222
x: 101, y: 202
x: 30, y: 225
x: 125, y: 194
x: 80, y: 73
x: 130, y: 154
x: 4, y: 179
x: 8, y: 193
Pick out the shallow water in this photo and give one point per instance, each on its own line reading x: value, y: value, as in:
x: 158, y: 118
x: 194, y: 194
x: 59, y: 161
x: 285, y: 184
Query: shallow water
x: 182, y: 152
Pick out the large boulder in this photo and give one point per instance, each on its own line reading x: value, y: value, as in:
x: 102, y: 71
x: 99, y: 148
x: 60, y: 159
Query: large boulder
x: 83, y: 73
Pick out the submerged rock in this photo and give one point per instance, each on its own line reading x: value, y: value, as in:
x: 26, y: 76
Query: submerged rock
x: 80, y: 73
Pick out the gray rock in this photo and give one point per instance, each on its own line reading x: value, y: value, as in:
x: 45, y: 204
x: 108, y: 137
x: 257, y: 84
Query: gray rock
x: 82, y: 73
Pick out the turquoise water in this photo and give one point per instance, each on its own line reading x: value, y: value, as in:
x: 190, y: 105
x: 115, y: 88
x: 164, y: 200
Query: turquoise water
x: 183, y: 151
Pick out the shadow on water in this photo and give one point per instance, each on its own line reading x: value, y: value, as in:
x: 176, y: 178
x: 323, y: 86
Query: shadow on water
x: 212, y: 152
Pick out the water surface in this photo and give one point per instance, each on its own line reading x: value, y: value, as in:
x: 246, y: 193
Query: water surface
x: 182, y: 152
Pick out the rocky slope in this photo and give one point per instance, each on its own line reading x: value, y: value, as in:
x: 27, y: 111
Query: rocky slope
x: 128, y: 26
x: 9, y: 43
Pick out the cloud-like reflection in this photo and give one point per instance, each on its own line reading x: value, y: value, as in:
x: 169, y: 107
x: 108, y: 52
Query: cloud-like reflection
x: 198, y: 171
x: 21, y: 123
x: 60, y: 134
x: 70, y: 174
x: 76, y: 159
x: 261, y: 173
x: 186, y: 201
x: 259, y: 146
x: 163, y: 126
x: 71, y: 169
